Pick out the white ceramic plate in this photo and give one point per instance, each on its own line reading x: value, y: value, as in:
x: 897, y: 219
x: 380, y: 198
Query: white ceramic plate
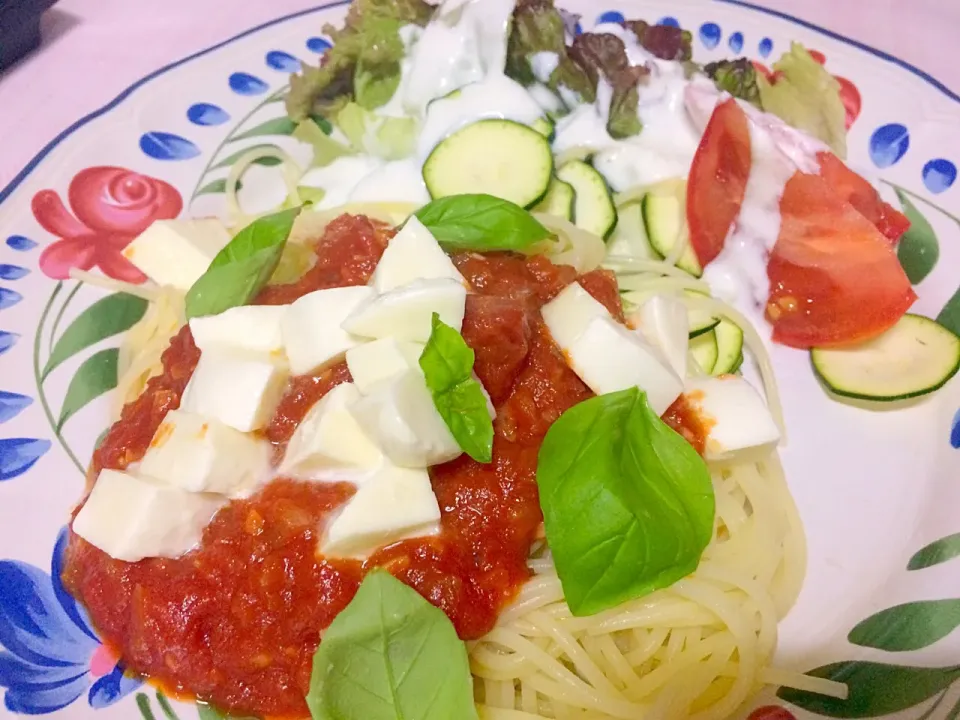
x: 878, y: 492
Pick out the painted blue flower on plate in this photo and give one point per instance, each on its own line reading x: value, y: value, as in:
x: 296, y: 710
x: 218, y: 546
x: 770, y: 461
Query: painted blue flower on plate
x: 49, y: 654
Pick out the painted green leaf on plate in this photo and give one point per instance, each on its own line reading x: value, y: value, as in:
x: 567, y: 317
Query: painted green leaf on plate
x: 939, y: 551
x: 277, y: 126
x: 107, y: 317
x: 97, y: 375
x: 265, y: 161
x: 875, y: 688
x: 216, y: 186
x: 209, y: 712
x: 949, y: 317
x: 919, y: 249
x: 910, y: 626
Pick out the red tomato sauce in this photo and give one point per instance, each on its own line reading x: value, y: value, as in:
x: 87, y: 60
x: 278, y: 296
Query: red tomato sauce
x: 236, y: 621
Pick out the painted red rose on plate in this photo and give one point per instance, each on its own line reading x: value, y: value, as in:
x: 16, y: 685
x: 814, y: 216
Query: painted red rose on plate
x: 109, y: 207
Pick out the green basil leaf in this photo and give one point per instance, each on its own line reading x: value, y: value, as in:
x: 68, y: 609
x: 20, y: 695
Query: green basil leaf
x: 918, y: 249
x: 875, y: 689
x: 939, y: 551
x: 910, y: 626
x: 628, y: 505
x: 390, y: 654
x: 447, y: 364
x: 243, y: 267
x: 481, y: 223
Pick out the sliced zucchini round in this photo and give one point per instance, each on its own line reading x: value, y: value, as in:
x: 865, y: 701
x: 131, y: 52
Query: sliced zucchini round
x: 665, y: 217
x: 558, y: 201
x: 729, y: 347
x: 913, y: 358
x: 496, y: 157
x: 593, y: 208
x: 546, y: 127
x: 629, y: 237
x: 704, y: 350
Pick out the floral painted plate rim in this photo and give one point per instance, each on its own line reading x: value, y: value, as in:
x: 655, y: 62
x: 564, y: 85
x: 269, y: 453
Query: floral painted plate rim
x: 34, y: 607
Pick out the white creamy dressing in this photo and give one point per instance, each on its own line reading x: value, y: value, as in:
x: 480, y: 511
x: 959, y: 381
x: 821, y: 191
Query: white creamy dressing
x: 410, y: 36
x: 397, y: 181
x: 339, y: 178
x: 543, y: 64
x: 664, y: 148
x: 739, y: 273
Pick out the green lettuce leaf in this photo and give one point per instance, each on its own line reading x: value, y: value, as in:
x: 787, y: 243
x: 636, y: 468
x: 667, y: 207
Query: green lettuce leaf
x: 807, y: 97
x: 737, y: 77
x: 390, y: 138
x: 364, y: 63
x: 537, y: 27
x: 604, y: 55
x: 325, y: 148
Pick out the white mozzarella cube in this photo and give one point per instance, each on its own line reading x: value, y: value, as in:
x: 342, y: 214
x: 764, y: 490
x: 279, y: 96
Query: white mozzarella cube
x: 407, y: 312
x: 609, y: 357
x: 379, y: 360
x: 734, y: 413
x: 312, y: 332
x: 177, y: 252
x: 664, y: 322
x: 247, y: 328
x: 569, y: 313
x: 239, y: 391
x: 131, y: 518
x: 401, y: 418
x: 413, y: 254
x: 393, y: 505
x: 201, y: 454
x: 329, y: 439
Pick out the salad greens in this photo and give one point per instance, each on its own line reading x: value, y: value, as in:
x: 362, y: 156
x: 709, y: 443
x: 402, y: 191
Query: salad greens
x: 737, y: 77
x: 390, y: 138
x: 364, y: 63
x: 539, y: 27
x: 325, y: 148
x: 447, y: 364
x: 602, y: 54
x: 482, y: 223
x: 663, y: 41
x: 390, y: 654
x: 628, y: 504
x: 807, y: 97
x: 243, y: 267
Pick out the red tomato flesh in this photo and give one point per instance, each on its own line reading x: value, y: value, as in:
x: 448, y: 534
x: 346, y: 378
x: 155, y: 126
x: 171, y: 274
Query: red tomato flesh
x: 863, y: 196
x: 718, y: 179
x: 834, y: 278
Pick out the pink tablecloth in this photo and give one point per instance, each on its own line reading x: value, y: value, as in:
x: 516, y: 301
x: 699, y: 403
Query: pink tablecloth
x: 93, y: 49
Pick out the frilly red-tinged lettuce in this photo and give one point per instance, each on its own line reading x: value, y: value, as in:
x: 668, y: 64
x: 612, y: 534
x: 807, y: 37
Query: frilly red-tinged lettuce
x: 662, y: 41
x: 364, y: 63
x: 538, y: 26
x: 604, y: 55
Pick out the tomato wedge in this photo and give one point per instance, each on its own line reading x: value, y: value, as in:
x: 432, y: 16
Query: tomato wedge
x: 718, y: 179
x: 834, y: 279
x: 863, y: 196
